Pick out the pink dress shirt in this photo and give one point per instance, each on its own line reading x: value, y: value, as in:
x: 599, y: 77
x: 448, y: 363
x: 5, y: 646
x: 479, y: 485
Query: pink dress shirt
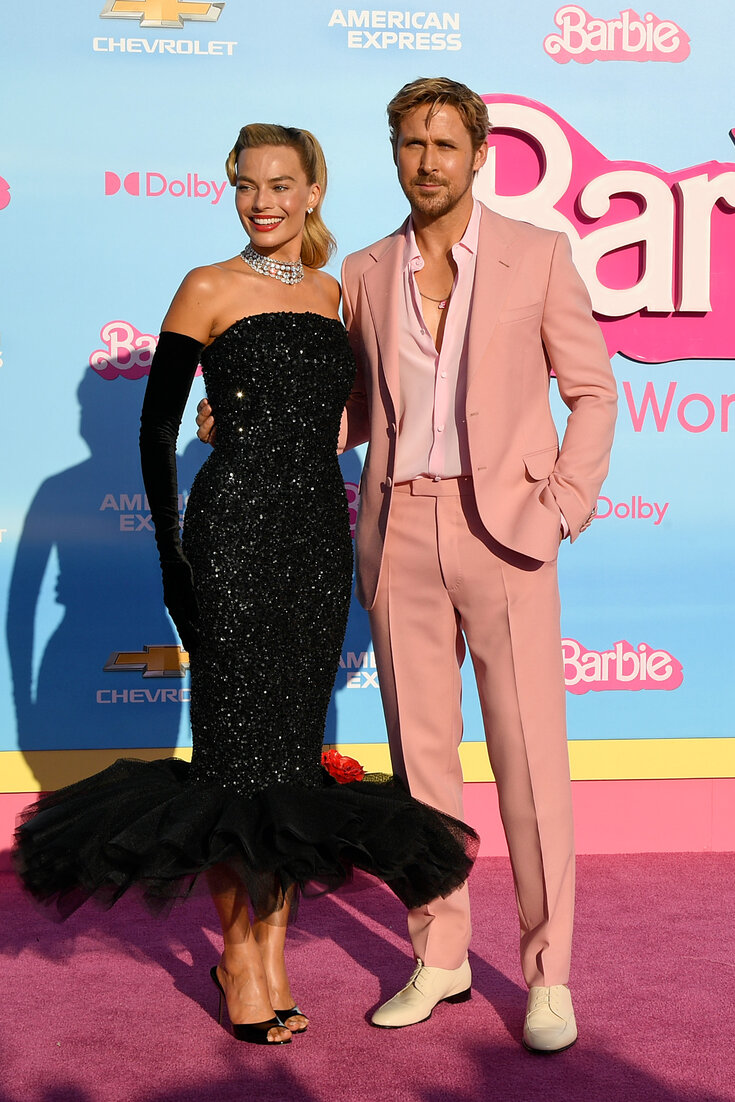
x: 432, y: 431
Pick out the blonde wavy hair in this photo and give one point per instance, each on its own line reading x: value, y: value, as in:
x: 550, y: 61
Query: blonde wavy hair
x: 440, y: 92
x: 317, y: 244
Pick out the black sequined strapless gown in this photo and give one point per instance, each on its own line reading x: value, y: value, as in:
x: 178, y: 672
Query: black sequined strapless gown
x: 267, y: 534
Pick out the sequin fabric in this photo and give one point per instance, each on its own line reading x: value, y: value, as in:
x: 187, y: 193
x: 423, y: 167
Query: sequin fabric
x: 267, y: 534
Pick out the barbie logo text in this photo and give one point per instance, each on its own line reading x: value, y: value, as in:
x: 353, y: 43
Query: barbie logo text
x: 623, y: 667
x: 655, y: 248
x: 628, y: 38
x: 127, y: 352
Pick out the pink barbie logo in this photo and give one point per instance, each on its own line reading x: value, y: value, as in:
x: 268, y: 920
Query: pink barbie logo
x: 654, y: 248
x: 353, y: 500
x: 153, y: 185
x: 628, y: 38
x: 623, y: 667
x: 4, y: 193
x: 127, y: 352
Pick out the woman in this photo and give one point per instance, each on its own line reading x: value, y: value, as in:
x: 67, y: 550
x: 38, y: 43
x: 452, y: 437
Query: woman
x: 267, y: 550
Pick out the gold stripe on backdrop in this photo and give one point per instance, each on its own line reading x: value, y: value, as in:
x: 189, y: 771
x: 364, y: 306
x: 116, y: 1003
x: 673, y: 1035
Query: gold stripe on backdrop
x: 608, y: 759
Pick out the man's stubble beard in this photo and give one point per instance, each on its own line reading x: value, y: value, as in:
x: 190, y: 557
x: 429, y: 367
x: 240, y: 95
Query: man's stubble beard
x: 435, y: 206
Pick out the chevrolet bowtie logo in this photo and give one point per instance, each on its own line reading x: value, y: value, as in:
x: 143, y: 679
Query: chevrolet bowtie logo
x: 162, y: 13
x: 167, y: 661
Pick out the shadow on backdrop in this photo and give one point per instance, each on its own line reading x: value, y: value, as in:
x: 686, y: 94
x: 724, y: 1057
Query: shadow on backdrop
x: 92, y: 519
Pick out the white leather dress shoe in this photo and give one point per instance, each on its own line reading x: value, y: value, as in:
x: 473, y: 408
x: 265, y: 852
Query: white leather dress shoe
x: 427, y: 987
x: 550, y: 1024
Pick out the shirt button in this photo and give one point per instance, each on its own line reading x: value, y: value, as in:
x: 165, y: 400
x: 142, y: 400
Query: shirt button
x: 444, y: 374
x: 440, y: 428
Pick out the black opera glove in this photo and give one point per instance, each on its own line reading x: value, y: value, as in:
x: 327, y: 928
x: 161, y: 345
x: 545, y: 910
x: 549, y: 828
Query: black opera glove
x: 179, y: 596
x: 169, y: 381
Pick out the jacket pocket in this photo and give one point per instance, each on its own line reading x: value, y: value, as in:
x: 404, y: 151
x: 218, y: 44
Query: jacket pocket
x: 520, y: 313
x: 541, y: 463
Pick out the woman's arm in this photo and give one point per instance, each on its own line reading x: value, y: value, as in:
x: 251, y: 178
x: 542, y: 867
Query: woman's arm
x: 187, y: 327
x: 169, y: 382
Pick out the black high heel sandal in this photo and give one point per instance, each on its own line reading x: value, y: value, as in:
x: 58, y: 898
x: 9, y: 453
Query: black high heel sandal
x: 255, y: 1033
x: 283, y: 1015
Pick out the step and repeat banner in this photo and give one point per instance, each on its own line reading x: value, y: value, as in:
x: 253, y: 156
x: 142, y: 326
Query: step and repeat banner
x: 612, y: 125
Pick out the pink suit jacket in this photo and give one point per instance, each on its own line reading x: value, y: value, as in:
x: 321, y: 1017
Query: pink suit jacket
x: 530, y: 312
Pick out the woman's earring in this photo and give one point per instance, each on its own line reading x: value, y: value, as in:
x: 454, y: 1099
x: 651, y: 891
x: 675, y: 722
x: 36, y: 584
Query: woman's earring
x: 309, y: 210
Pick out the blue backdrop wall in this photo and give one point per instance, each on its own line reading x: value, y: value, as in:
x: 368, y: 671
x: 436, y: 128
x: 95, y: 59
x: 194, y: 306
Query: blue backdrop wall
x: 116, y: 120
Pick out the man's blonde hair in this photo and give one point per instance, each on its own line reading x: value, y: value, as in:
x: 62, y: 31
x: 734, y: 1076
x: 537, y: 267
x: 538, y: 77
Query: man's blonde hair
x: 440, y: 92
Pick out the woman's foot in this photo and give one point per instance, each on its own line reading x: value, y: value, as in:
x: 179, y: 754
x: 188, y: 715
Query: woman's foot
x: 279, y: 991
x: 243, y: 980
x: 294, y: 1022
x: 270, y: 934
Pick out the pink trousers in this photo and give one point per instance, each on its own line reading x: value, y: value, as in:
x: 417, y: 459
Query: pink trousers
x: 446, y: 585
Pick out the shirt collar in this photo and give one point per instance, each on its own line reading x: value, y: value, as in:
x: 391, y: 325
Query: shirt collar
x: 468, y: 241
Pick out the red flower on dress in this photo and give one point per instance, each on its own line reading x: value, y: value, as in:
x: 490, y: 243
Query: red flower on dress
x: 342, y: 768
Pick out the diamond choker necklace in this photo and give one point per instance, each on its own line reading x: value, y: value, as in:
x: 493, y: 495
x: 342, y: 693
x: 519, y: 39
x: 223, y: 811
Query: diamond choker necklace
x: 276, y: 269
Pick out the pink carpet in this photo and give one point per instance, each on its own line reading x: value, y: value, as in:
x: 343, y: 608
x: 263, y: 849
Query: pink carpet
x: 118, y: 1006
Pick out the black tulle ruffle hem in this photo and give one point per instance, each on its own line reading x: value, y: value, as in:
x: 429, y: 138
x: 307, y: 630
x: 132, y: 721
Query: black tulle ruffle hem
x: 142, y: 824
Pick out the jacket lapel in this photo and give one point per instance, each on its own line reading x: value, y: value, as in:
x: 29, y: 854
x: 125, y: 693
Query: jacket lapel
x: 494, y: 273
x: 383, y: 290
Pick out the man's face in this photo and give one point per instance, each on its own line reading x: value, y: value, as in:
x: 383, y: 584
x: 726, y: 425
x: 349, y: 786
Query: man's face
x: 435, y: 159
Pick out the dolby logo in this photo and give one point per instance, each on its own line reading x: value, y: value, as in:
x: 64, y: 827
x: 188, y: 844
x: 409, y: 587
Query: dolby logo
x: 155, y: 185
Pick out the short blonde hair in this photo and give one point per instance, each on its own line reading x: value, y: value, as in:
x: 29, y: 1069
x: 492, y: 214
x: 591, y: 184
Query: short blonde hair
x: 440, y: 92
x: 317, y: 244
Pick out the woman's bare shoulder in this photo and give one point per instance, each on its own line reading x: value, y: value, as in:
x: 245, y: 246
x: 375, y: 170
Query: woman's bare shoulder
x: 198, y: 300
x: 329, y: 287
x: 211, y: 277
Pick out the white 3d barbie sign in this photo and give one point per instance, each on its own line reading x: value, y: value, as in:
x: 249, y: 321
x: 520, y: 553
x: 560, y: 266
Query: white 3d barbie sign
x: 654, y: 248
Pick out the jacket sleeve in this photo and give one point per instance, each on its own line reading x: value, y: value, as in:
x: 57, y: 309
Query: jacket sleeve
x: 576, y: 350
x: 355, y: 426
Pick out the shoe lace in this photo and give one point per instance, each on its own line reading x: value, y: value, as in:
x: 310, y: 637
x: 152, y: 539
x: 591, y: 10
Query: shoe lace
x: 416, y: 973
x: 541, y: 998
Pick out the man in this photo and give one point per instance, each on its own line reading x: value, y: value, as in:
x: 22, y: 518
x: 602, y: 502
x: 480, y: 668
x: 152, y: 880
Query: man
x: 455, y: 320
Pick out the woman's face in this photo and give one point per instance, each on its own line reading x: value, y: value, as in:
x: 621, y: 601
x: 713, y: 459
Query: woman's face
x: 272, y: 195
